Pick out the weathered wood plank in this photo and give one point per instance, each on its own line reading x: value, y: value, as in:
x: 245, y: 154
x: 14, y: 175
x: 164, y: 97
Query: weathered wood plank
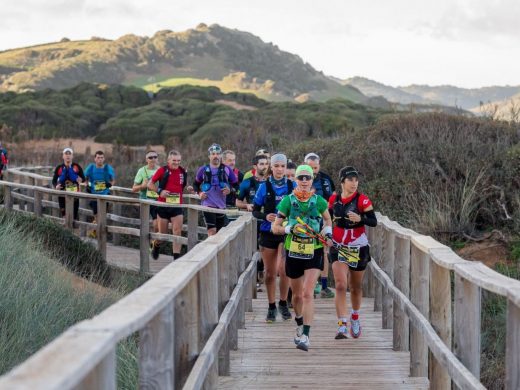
x: 513, y: 347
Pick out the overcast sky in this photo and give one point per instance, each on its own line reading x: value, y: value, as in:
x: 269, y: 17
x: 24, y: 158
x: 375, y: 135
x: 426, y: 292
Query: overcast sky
x: 468, y: 43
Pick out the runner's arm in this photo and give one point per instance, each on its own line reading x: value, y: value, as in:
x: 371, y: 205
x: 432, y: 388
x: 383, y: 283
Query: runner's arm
x: 369, y: 217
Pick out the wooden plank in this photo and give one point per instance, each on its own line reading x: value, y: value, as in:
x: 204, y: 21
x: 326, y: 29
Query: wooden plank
x: 103, y: 376
x: 69, y: 211
x: 101, y: 230
x: 467, y: 324
x: 208, y: 300
x: 401, y: 329
x: 38, y: 210
x: 118, y: 209
x: 144, y: 238
x: 186, y: 331
x: 513, y: 346
x: 420, y: 297
x: 441, y: 320
x: 193, y: 223
x: 378, y: 244
x: 388, y: 267
x: 8, y: 198
x: 82, y: 218
x: 156, y: 360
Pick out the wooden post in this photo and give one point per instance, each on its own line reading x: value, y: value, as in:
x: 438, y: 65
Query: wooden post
x: 38, y: 210
x: 467, y: 324
x: 441, y: 319
x: 234, y: 258
x: 156, y: 351
x: 69, y: 212
x: 378, y: 288
x: 401, y: 334
x: 223, y: 357
x: 193, y: 224
x: 118, y: 208
x: 208, y: 300
x: 223, y: 259
x: 144, y: 238
x: 513, y: 346
x: 8, y: 199
x: 103, y: 376
x: 101, y: 231
x: 388, y: 267
x: 420, y: 297
x: 31, y: 181
x: 82, y: 217
x: 186, y: 331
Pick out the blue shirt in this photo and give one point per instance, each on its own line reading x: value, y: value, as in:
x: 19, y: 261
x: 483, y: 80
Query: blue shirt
x: 260, y: 195
x: 99, y: 177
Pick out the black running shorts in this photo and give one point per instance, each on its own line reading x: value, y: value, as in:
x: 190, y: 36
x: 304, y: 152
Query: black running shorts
x: 168, y: 212
x: 270, y: 241
x: 295, y: 268
x: 214, y: 220
x: 364, y: 258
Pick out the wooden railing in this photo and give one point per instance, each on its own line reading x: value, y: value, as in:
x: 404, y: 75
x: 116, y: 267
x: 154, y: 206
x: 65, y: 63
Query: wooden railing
x: 32, y: 194
x: 187, y: 315
x: 411, y: 282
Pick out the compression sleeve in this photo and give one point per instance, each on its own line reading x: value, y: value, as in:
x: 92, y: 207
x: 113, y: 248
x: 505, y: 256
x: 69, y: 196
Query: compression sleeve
x: 368, y: 218
x: 257, y: 212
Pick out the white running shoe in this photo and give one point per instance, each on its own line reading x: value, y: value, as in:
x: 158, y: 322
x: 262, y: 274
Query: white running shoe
x: 304, y: 343
x: 299, y: 333
x: 355, y: 328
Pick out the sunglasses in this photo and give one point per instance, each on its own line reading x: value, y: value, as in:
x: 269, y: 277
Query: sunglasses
x: 304, y: 178
x: 151, y: 157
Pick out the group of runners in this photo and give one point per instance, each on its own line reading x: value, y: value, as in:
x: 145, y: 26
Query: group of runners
x: 304, y: 223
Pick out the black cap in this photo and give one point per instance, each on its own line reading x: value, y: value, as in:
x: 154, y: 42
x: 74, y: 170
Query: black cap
x: 347, y: 171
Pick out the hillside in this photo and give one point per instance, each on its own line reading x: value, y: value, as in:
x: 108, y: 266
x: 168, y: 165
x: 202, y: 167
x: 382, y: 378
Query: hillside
x: 446, y: 95
x: 507, y: 109
x: 214, y: 55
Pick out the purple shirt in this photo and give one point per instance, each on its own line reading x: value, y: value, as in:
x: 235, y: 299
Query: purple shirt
x: 216, y: 198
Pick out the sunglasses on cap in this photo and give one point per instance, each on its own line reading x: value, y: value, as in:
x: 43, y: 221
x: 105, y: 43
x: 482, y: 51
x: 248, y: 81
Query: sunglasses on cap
x: 304, y: 177
x: 215, y: 148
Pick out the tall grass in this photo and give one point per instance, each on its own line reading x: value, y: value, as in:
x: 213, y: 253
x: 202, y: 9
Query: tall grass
x: 40, y: 299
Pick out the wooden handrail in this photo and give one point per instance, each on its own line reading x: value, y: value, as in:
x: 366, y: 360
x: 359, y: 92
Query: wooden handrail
x: 418, y: 277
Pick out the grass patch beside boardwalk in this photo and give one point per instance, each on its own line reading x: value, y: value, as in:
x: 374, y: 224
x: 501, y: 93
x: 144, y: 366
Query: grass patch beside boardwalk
x: 41, y: 298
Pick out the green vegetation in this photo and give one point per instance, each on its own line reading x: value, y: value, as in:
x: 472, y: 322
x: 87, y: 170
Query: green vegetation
x: 206, y: 56
x: 40, y: 297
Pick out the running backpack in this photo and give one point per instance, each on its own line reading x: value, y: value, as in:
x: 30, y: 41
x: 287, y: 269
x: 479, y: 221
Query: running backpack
x: 340, y: 211
x: 166, y: 176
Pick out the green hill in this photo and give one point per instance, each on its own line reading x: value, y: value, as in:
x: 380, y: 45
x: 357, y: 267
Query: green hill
x: 205, y: 56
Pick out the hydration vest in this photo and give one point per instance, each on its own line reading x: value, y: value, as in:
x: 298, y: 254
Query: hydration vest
x: 340, y: 212
x: 270, y: 196
x: 207, y: 178
x: 311, y: 216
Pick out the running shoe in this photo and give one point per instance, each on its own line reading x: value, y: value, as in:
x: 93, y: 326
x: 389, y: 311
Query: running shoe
x: 155, y: 247
x: 271, y: 315
x: 327, y: 293
x: 299, y: 333
x: 355, y: 328
x: 342, y: 332
x: 304, y: 343
x: 317, y: 288
x: 284, y: 311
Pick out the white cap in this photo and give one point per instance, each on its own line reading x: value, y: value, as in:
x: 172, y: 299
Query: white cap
x: 68, y: 150
x: 312, y: 156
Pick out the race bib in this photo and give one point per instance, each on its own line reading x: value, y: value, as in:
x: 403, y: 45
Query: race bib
x: 173, y: 198
x: 301, y: 247
x: 351, y: 257
x: 71, y: 188
x: 152, y: 194
x: 100, y: 186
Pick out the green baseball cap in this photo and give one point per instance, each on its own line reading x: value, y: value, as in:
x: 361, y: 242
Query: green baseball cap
x: 306, y: 169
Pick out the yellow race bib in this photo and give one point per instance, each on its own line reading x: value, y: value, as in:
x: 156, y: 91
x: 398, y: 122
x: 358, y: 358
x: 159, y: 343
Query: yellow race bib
x: 173, y: 198
x: 301, y: 247
x: 352, y: 256
x: 71, y: 188
x: 100, y: 186
x: 152, y: 194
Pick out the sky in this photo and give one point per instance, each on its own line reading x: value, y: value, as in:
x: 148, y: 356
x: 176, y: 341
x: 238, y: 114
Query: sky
x: 466, y: 43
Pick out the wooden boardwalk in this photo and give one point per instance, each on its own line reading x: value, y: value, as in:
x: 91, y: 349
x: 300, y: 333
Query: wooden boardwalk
x: 268, y: 359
